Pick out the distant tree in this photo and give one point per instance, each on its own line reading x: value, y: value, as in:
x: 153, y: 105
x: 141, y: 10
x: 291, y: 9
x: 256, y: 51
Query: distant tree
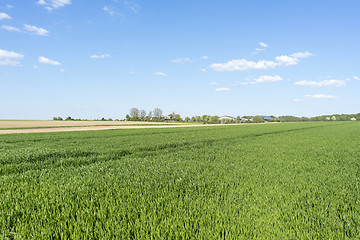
x: 215, y: 119
x: 59, y: 119
x: 177, y: 117
x: 55, y: 118
x: 69, y: 119
x: 109, y: 119
x: 102, y: 119
x: 127, y: 117
x: 187, y: 119
x: 258, y: 119
x: 134, y: 113
x: 157, y: 113
x: 142, y: 115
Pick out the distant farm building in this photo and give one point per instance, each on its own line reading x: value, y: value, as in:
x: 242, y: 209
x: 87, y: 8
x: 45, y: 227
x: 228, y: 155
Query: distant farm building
x: 227, y: 119
x: 353, y: 119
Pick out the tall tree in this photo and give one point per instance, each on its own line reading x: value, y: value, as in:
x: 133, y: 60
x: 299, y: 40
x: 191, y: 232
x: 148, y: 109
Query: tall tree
x: 134, y: 113
x: 143, y: 115
x: 157, y: 113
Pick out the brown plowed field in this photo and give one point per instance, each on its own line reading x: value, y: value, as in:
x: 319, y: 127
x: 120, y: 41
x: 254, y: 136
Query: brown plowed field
x: 8, y: 126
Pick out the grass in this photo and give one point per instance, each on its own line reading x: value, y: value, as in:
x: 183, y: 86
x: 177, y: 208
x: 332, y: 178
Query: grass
x: 266, y: 181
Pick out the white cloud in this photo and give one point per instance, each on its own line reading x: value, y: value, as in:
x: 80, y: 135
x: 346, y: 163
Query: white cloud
x: 109, y: 10
x: 53, y: 4
x: 243, y: 64
x: 262, y: 79
x: 62, y: 70
x: 181, y: 60
x: 265, y: 78
x: 204, y: 57
x: 100, y: 56
x: 222, y: 89
x: 36, y: 30
x: 203, y: 70
x: 298, y: 100
x: 10, y: 58
x: 302, y: 54
x: 321, y: 96
x: 286, y: 60
x: 131, y: 72
x: 356, y: 77
x: 10, y: 28
x: 133, y: 6
x: 160, y: 73
x: 113, y: 13
x: 4, y: 16
x: 45, y: 60
x: 259, y: 49
x: 264, y: 45
x: 8, y: 6
x: 324, y: 83
x: 213, y: 83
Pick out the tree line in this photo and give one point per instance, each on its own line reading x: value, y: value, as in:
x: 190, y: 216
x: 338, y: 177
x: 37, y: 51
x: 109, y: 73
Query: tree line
x: 156, y: 115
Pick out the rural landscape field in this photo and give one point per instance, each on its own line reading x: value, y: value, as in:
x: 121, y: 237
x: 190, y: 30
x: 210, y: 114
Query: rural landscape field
x: 181, y: 119
x: 268, y: 181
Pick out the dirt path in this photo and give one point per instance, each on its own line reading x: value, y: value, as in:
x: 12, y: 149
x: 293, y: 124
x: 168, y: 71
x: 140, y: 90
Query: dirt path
x: 93, y: 128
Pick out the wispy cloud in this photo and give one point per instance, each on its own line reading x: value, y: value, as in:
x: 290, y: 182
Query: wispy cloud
x: 324, y: 83
x: 263, y: 79
x: 160, y: 74
x: 315, y: 96
x: 109, y: 10
x: 45, y: 60
x: 243, y: 64
x: 225, y: 89
x: 53, y: 4
x: 356, y: 77
x: 100, y: 56
x: 4, y: 16
x: 132, y: 5
x: 10, y: 58
x: 36, y: 30
x: 213, y: 83
x: 321, y: 96
x: 62, y: 70
x: 203, y: 69
x: 10, y: 28
x: 8, y: 6
x: 263, y: 45
x: 181, y: 60
x: 113, y: 13
x: 205, y: 57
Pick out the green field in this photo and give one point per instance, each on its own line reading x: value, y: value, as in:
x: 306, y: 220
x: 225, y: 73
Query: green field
x: 267, y: 181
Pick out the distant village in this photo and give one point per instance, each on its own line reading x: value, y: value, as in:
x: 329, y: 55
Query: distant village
x: 157, y: 116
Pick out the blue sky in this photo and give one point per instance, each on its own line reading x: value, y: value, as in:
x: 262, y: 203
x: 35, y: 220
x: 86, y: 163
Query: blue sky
x: 93, y: 59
